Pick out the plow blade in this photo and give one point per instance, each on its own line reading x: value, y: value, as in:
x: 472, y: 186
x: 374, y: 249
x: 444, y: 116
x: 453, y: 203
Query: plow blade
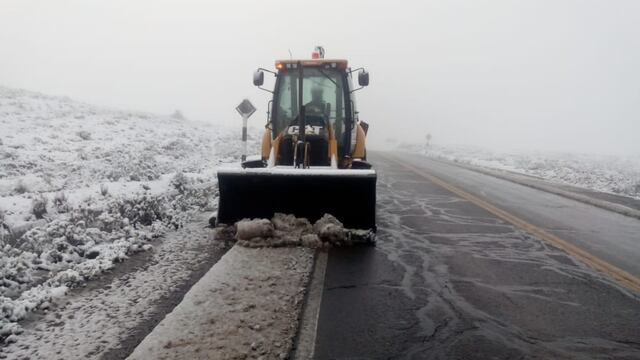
x: 349, y: 195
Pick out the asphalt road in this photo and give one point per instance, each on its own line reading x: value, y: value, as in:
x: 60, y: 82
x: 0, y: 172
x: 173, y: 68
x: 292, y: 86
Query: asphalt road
x: 449, y: 279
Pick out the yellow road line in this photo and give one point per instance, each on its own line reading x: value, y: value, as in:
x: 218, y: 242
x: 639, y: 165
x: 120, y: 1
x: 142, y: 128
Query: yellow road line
x: 624, y: 278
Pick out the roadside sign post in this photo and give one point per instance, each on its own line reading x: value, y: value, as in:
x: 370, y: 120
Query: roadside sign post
x: 245, y: 109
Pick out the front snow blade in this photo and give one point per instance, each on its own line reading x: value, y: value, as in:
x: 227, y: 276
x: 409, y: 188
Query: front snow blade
x: 349, y: 195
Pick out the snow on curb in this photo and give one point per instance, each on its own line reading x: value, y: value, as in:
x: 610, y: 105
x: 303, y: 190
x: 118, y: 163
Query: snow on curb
x: 522, y: 180
x: 246, y: 306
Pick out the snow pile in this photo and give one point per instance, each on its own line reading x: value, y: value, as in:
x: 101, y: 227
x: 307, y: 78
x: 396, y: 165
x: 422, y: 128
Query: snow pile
x: 605, y: 173
x: 287, y: 230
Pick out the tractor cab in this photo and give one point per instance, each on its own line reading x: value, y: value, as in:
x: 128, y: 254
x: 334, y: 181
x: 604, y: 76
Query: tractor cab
x: 323, y: 91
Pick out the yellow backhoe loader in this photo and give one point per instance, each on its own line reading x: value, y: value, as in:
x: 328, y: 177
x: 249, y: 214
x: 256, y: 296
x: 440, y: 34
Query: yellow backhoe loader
x: 314, y: 158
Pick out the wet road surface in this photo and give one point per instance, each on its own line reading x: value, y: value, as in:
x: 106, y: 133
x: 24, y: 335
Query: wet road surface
x: 450, y: 280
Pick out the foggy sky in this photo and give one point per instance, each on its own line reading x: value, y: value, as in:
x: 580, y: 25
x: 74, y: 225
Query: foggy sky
x: 552, y: 75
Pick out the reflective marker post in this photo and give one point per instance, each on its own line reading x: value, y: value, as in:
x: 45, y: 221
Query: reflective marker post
x: 245, y: 109
x: 244, y: 138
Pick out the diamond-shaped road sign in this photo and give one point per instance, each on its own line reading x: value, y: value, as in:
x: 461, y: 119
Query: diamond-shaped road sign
x: 246, y: 108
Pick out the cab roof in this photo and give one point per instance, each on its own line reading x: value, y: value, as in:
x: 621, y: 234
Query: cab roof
x: 331, y: 63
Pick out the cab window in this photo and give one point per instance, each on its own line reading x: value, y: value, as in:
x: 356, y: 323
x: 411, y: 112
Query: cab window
x: 323, y: 95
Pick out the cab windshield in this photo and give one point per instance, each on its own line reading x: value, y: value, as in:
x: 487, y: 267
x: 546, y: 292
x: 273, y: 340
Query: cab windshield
x: 322, y: 94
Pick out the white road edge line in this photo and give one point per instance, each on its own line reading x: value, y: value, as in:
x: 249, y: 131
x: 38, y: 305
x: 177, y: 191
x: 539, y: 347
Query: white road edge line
x: 305, y: 347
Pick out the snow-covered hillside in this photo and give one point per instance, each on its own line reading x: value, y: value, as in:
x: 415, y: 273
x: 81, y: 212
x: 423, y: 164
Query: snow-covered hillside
x: 607, y: 173
x: 83, y: 187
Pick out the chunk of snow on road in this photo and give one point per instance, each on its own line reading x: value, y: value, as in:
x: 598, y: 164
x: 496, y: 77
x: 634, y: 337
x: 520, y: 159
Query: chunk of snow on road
x: 250, y: 229
x: 287, y: 230
x: 330, y: 230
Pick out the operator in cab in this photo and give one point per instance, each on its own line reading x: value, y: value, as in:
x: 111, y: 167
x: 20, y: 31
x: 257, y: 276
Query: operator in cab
x: 317, y: 105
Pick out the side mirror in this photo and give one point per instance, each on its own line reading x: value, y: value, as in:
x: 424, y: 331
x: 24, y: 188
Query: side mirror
x: 363, y: 78
x: 258, y: 78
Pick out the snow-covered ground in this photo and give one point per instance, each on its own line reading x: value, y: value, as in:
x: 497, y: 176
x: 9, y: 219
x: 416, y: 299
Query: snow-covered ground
x: 108, y: 317
x: 84, y: 187
x: 607, y: 173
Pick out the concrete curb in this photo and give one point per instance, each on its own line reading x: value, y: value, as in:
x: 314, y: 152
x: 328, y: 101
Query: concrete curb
x: 246, y: 306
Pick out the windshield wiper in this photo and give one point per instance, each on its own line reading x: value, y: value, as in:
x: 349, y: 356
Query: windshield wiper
x: 328, y: 77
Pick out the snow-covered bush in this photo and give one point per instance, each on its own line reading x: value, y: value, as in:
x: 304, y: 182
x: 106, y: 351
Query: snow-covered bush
x: 20, y: 187
x: 196, y: 196
x: 178, y: 148
x: 4, y: 229
x: 61, y: 203
x: 82, y: 155
x: 177, y: 115
x: 39, y: 206
x: 180, y: 182
x: 6, y: 154
x: 104, y: 190
x: 144, y: 210
x: 84, y: 134
x: 134, y: 167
